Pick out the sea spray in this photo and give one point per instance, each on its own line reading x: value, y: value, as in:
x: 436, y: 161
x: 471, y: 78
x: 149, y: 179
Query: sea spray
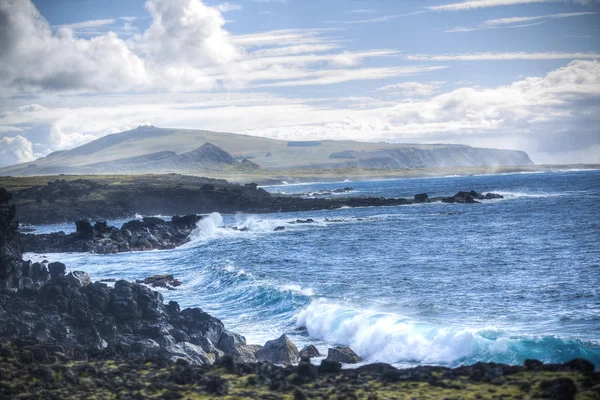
x: 391, y: 338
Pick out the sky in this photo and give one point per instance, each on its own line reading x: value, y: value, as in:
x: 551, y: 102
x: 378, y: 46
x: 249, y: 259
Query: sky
x: 514, y: 74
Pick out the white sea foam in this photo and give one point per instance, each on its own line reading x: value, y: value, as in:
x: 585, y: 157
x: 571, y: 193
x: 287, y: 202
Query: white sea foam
x: 298, y: 289
x: 516, y: 195
x: 389, y: 337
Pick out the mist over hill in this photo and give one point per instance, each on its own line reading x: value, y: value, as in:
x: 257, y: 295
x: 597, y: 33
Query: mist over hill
x: 149, y: 149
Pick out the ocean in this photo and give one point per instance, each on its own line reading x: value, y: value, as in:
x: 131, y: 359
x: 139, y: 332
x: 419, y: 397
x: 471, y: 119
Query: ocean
x: 436, y: 284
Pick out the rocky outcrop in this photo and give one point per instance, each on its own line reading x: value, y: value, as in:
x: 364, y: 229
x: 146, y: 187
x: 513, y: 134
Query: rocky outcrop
x: 279, y: 351
x: 67, y: 201
x: 310, y: 351
x: 148, y: 234
x: 343, y: 355
x: 470, y: 197
x: 71, y: 311
x: 50, y: 306
x: 14, y: 272
x: 166, y: 281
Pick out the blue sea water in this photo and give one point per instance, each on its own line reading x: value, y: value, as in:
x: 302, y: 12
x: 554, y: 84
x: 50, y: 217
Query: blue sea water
x: 444, y: 284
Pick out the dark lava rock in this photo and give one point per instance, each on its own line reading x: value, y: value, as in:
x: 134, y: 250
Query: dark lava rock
x: 56, y: 269
x: 421, y: 198
x: 309, y: 351
x: 165, y: 281
x: 470, y: 197
x: 148, y: 234
x: 330, y: 367
x: 343, y: 355
x: 279, y: 351
x: 79, y: 279
x: 559, y: 388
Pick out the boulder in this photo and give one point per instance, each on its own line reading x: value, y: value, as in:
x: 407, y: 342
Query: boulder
x: 84, y: 229
x: 421, y: 198
x: 342, y: 354
x: 56, y: 269
x: 79, y: 279
x: 186, y: 351
x: 279, y: 228
x: 145, y: 348
x: 279, y: 351
x: 310, y: 351
x: 229, y: 342
x: 165, y: 281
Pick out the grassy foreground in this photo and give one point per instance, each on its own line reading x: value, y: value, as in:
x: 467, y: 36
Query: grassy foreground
x: 45, y: 372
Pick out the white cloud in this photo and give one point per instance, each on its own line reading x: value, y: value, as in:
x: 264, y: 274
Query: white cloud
x: 513, y: 20
x: 474, y: 4
x: 525, y: 114
x: 362, y: 11
x: 95, y: 23
x: 517, y: 22
x: 414, y: 88
x: 502, y: 56
x: 226, y: 7
x: 15, y: 150
x: 384, y: 18
x: 185, y: 48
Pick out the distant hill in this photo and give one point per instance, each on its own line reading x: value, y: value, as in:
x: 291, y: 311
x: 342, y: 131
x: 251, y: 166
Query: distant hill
x: 160, y: 150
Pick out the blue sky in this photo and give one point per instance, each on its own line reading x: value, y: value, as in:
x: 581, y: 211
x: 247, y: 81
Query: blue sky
x: 497, y: 73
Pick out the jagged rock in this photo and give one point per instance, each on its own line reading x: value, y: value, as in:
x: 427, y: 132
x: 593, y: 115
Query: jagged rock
x: 145, y: 347
x: 310, y: 351
x: 79, y: 279
x: 165, y: 281
x: 279, y: 351
x: 150, y: 233
x: 342, y: 354
x: 421, y: 198
x: 230, y: 341
x: 188, y: 352
x: 56, y: 269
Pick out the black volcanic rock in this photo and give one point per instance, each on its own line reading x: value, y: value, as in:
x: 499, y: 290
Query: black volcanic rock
x: 343, y: 355
x: 150, y: 233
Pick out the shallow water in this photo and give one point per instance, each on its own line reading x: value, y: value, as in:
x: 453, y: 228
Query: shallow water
x: 447, y: 284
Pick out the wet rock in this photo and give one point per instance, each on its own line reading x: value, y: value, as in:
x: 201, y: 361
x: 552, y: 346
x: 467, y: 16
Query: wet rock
x: 421, y: 198
x: 279, y: 228
x: 343, y: 355
x: 165, y: 281
x: 309, y: 351
x: 150, y: 233
x: 279, y: 351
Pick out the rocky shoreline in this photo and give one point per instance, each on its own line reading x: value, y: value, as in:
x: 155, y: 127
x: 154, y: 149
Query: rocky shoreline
x: 62, y: 335
x: 152, y: 233
x: 64, y: 200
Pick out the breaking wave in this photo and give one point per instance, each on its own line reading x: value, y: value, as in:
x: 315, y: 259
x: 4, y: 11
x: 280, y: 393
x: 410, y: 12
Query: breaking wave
x: 391, y: 338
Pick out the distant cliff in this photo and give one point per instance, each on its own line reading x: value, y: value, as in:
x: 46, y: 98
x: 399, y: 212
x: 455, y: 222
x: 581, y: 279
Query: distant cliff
x: 440, y: 157
x: 156, y: 150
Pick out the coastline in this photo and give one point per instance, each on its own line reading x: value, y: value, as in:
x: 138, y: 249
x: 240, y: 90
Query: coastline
x: 218, y: 363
